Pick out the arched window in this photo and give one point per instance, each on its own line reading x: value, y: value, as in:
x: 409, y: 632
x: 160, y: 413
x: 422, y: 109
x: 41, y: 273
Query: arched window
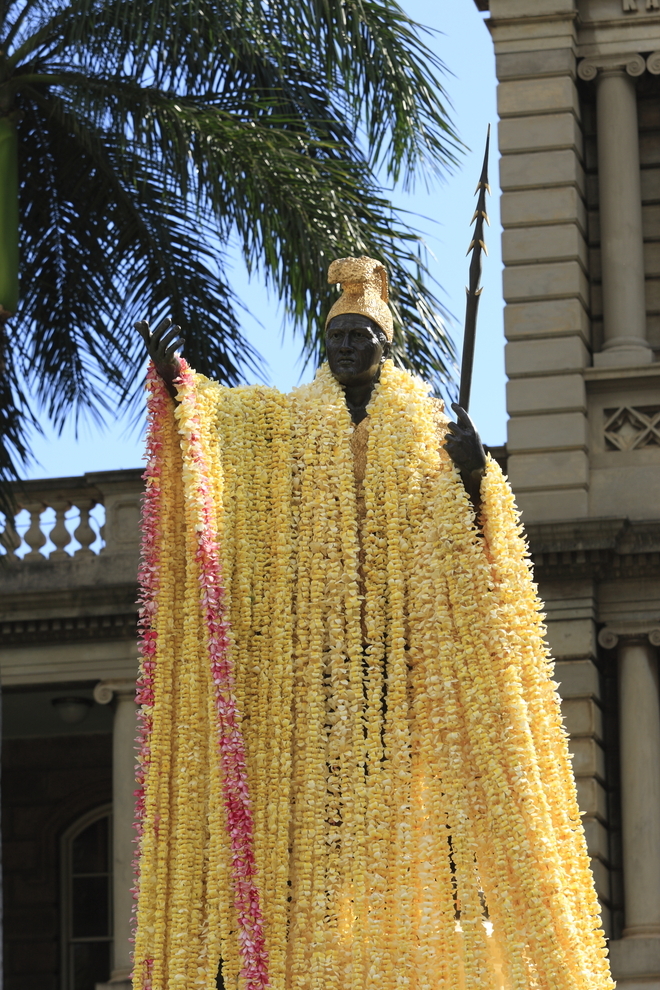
x: 86, y: 908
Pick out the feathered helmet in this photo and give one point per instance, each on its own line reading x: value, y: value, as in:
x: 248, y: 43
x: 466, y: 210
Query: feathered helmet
x: 364, y: 290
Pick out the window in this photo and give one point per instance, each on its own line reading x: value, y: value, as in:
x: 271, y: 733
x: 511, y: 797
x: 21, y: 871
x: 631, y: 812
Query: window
x: 87, y: 901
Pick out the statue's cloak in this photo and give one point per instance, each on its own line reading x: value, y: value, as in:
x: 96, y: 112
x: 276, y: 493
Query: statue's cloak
x: 353, y: 771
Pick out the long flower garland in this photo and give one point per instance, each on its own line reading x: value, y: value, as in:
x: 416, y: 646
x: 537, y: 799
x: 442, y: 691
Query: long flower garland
x: 167, y: 951
x: 148, y: 580
x: 378, y: 684
x: 230, y: 742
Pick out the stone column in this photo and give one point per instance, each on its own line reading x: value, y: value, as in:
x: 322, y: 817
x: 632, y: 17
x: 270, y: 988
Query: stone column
x: 123, y: 786
x: 640, y: 785
x: 621, y: 239
x: 635, y: 958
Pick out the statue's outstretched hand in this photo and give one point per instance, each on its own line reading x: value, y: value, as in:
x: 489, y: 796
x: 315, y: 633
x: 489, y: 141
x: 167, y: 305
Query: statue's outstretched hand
x: 464, y: 446
x: 163, y: 346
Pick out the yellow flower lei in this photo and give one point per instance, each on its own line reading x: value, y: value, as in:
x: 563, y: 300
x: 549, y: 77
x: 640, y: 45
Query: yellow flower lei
x: 414, y: 809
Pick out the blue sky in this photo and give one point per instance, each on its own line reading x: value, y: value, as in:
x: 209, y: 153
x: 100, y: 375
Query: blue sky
x: 441, y: 214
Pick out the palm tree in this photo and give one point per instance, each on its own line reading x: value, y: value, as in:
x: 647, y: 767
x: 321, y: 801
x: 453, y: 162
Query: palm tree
x: 138, y: 140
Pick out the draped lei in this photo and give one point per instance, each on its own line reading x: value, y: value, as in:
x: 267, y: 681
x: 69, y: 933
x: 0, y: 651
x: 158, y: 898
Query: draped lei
x: 353, y: 771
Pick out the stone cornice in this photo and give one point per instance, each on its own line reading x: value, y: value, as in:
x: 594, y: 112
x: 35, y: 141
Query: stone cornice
x: 567, y: 16
x: 632, y: 20
x: 75, y: 629
x: 595, y: 548
x: 68, y: 603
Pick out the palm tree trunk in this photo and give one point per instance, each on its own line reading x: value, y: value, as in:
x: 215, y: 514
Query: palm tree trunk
x: 1, y: 884
x: 8, y: 293
x: 8, y: 217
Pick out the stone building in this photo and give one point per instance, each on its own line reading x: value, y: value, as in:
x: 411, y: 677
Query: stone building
x: 68, y: 657
x: 579, y: 135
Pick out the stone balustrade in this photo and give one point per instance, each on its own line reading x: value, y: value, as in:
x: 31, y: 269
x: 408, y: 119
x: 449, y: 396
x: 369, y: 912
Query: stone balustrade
x: 60, y: 518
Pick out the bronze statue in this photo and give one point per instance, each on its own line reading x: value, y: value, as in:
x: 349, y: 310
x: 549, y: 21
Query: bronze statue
x: 353, y: 753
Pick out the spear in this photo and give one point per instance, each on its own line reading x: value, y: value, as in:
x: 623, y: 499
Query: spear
x: 477, y: 245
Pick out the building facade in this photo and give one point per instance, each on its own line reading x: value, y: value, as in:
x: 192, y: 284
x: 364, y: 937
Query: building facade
x: 68, y: 657
x: 579, y: 137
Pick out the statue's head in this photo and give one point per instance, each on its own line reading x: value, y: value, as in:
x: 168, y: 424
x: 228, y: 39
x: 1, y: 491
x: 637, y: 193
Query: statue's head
x: 356, y: 348
x: 358, y: 331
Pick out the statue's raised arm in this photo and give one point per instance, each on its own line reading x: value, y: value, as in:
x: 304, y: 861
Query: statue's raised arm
x: 163, y: 345
x: 464, y: 446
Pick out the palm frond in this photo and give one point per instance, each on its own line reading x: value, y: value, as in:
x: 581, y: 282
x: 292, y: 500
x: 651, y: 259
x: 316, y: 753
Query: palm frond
x: 154, y: 135
x: 294, y: 203
x: 104, y: 252
x: 366, y: 54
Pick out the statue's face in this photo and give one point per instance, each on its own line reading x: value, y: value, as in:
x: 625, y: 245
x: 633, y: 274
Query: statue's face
x: 356, y: 348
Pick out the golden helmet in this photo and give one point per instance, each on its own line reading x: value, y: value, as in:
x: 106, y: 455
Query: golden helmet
x: 364, y: 290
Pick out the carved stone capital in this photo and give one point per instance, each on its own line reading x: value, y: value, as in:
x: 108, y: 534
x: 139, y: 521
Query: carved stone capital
x: 633, y: 64
x: 609, y: 636
x: 105, y: 691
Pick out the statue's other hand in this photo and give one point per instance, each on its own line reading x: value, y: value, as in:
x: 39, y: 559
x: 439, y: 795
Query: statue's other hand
x: 464, y: 446
x: 163, y: 345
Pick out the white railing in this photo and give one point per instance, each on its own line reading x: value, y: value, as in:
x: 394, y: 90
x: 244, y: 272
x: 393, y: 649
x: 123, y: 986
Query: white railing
x: 60, y: 518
